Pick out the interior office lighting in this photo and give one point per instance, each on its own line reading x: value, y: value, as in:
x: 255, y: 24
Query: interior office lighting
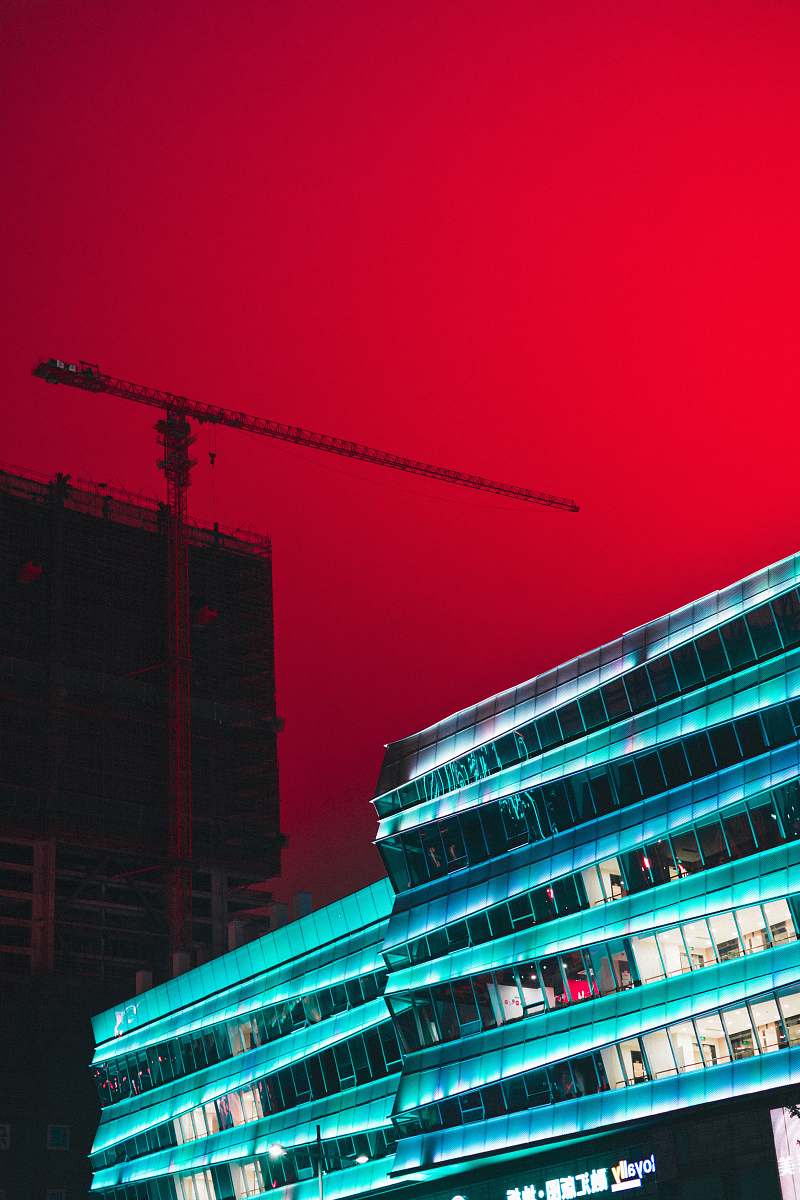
x: 276, y: 1150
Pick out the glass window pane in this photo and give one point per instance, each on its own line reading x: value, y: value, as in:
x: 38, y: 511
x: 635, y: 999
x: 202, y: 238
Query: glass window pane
x: 789, y: 1003
x: 752, y: 929
x: 505, y: 997
x: 740, y: 1032
x: 684, y: 1045
x: 571, y: 722
x: 611, y: 878
x: 765, y: 823
x: 687, y: 667
x: 676, y: 768
x: 612, y: 1067
x: 712, y: 843
x: 575, y: 975
x: 726, y: 938
x: 466, y: 1006
x: 673, y: 952
x: 633, y: 1064
x: 660, y: 861
x: 640, y: 693
x: 737, y: 643
x: 584, y: 1076
x: 616, y: 700
x: 550, y: 975
x: 648, y: 959
x: 651, y: 777
x: 592, y: 886
x: 687, y: 852
x: 637, y: 874
x: 531, y: 988
x: 602, y: 794
x: 779, y: 918
x: 565, y: 894
x: 768, y: 1024
x: 739, y: 834
x: 619, y: 952
x: 698, y: 752
x: 548, y: 730
x: 763, y: 631
x: 725, y: 746
x: 751, y: 736
x: 662, y: 677
x: 711, y: 654
x: 659, y: 1054
x: 593, y: 710
x: 787, y: 615
x: 787, y: 805
x: 712, y: 1039
x: 601, y: 970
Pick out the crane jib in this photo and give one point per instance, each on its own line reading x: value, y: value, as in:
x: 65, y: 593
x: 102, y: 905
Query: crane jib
x: 88, y: 377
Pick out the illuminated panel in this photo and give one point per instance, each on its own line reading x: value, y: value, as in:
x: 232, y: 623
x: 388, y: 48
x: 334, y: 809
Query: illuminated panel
x: 500, y: 713
x: 575, y: 1117
x: 759, y: 878
x: 473, y: 891
x: 652, y: 728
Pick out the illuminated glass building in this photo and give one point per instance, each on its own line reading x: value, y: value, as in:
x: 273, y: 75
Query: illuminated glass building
x: 590, y: 948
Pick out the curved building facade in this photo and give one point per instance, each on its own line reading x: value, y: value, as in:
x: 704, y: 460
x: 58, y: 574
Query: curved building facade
x: 582, y: 975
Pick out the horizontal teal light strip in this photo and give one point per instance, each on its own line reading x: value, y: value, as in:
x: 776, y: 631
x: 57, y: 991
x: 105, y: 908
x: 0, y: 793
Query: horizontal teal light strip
x: 499, y: 714
x: 590, y: 1114
x: 358, y: 1110
x: 240, y: 1001
x: 780, y: 681
x: 337, y: 920
x: 475, y: 889
x: 456, y: 1067
x: 761, y: 877
x: 133, y: 1116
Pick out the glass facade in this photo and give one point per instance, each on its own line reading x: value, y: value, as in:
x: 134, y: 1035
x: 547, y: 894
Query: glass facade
x: 591, y: 921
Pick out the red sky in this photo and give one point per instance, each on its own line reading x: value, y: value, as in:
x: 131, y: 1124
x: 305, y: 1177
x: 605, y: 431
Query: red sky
x: 554, y: 244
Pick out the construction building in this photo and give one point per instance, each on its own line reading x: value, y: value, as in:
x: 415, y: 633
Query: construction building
x: 85, y: 859
x: 581, y: 977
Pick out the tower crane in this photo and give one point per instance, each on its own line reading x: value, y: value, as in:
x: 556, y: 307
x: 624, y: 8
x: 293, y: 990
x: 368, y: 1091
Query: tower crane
x: 175, y: 439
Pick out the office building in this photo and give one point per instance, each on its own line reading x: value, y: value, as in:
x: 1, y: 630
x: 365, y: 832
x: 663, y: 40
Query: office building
x: 588, y: 957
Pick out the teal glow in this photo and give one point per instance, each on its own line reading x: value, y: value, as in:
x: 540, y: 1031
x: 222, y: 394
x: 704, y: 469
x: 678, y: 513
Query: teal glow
x: 654, y: 727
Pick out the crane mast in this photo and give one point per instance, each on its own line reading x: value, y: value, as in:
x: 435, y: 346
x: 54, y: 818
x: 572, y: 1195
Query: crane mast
x: 175, y: 439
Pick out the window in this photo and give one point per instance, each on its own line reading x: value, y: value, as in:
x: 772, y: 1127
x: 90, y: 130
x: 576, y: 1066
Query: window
x: 739, y: 834
x: 58, y: 1137
x: 685, y: 1047
x: 752, y: 929
x: 768, y: 1025
x: 659, y: 1054
x: 673, y: 951
x: 712, y: 655
x: 712, y: 843
x: 662, y: 678
x: 740, y: 1032
x: 725, y: 935
x: 611, y: 878
x: 737, y: 643
x: 699, y: 944
x: 711, y: 1036
x: 779, y: 919
x: 687, y: 852
x: 648, y: 959
x: 763, y: 631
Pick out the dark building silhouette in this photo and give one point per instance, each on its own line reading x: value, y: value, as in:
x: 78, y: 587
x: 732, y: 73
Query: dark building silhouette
x: 84, y: 788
